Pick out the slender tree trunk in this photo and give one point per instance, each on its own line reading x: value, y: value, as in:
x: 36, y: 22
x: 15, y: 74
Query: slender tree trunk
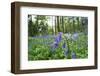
x: 69, y: 26
x: 65, y: 26
x: 63, y: 23
x: 58, y: 24
x: 81, y: 25
x: 73, y: 29
x: 55, y: 26
x: 37, y: 23
x: 30, y: 25
x: 52, y: 26
x: 78, y: 24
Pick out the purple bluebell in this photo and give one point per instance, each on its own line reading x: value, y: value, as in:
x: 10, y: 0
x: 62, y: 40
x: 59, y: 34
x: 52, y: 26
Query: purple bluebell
x: 55, y: 44
x: 75, y: 36
x: 73, y: 55
x: 60, y: 35
x: 57, y: 39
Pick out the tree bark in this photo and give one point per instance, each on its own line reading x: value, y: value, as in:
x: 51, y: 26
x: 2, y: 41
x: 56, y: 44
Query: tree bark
x: 58, y: 24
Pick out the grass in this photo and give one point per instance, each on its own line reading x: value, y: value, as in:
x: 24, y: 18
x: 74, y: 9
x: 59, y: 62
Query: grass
x: 39, y: 48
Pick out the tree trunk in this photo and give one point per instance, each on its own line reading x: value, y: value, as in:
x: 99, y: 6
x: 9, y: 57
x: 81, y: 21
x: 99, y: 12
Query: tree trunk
x: 52, y: 26
x: 63, y: 23
x: 78, y: 23
x: 55, y: 26
x: 37, y: 23
x: 73, y: 29
x: 58, y: 24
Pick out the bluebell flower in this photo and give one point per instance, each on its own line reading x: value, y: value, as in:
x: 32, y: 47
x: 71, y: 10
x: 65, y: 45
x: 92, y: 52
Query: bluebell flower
x: 75, y: 36
x: 73, y: 55
x: 60, y: 36
x: 57, y: 39
x: 60, y: 33
x: 55, y: 44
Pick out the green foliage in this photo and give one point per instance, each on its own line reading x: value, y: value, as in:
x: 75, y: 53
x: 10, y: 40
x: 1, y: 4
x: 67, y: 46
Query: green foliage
x: 39, y: 48
x: 37, y: 27
x: 46, y: 25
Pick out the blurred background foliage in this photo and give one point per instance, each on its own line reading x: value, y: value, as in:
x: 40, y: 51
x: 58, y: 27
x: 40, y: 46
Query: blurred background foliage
x: 49, y: 25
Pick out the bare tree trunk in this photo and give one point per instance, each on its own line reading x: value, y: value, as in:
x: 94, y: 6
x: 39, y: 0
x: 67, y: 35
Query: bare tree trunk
x: 63, y: 23
x: 55, y: 26
x: 73, y: 29
x: 30, y: 25
x: 58, y: 24
x: 37, y: 23
x: 81, y: 25
x: 78, y: 23
x: 52, y: 26
x: 68, y: 25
